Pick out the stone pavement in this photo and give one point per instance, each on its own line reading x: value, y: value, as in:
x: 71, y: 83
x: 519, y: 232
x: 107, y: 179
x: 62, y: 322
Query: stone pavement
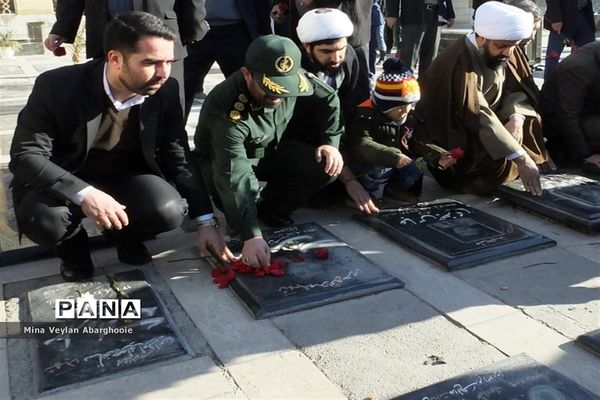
x: 378, y: 346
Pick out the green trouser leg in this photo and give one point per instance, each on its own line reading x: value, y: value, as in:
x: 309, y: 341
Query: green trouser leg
x: 292, y: 174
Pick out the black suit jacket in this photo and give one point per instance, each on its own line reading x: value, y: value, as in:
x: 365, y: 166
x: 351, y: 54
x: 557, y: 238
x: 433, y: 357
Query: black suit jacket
x: 60, y: 121
x: 565, y: 11
x: 185, y: 17
x: 412, y: 12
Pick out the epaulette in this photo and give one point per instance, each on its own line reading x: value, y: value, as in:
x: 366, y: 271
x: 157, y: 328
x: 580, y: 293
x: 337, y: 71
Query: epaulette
x: 239, y: 110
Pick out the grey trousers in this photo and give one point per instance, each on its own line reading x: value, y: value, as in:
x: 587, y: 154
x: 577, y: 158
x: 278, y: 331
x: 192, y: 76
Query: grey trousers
x: 420, y: 42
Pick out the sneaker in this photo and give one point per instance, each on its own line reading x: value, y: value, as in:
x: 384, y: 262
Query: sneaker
x: 134, y: 253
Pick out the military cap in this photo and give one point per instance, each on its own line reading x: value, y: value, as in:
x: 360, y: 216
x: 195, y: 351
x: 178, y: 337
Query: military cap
x: 275, y: 64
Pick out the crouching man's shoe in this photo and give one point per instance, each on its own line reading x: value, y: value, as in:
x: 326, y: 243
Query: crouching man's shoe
x: 74, y: 272
x: 134, y: 253
x: 272, y: 218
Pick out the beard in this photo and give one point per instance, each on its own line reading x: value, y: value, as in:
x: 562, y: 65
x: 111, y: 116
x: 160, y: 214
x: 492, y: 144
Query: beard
x: 331, y: 67
x: 491, y: 61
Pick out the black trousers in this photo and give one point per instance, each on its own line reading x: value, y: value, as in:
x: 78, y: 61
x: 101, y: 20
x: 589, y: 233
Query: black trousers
x: 292, y: 174
x: 152, y: 206
x: 226, y: 45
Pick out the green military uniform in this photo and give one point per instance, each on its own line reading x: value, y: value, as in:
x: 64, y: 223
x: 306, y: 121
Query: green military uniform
x: 239, y: 142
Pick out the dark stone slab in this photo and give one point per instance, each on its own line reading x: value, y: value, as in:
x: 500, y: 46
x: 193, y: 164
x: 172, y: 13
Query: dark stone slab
x: 590, y: 341
x: 571, y: 199
x: 76, y: 355
x: 454, y: 234
x: 518, y: 377
x: 312, y: 282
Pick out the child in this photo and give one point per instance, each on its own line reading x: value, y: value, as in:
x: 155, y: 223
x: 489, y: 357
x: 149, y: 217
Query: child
x: 376, y: 137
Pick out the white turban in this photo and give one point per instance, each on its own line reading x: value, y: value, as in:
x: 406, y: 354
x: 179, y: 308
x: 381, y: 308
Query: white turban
x: 498, y: 21
x: 322, y: 24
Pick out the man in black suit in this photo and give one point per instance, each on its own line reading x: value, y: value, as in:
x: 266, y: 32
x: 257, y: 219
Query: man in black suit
x: 420, y: 29
x: 185, y: 17
x: 106, y: 140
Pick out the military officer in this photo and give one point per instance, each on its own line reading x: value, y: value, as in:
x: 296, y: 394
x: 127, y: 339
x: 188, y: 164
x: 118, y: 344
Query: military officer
x: 239, y: 141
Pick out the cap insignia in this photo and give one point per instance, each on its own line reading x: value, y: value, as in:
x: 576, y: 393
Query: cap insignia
x: 273, y: 86
x: 284, y: 64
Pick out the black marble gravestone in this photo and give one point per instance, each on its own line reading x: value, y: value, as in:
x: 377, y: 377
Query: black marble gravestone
x: 91, y: 348
x: 518, y: 377
x: 309, y: 281
x: 590, y: 341
x: 454, y: 234
x: 570, y: 199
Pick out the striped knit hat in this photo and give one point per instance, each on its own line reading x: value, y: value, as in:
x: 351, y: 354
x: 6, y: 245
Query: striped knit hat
x: 395, y: 87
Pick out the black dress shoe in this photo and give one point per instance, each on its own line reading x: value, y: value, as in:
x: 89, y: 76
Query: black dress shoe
x: 134, y: 253
x: 271, y: 218
x: 72, y: 272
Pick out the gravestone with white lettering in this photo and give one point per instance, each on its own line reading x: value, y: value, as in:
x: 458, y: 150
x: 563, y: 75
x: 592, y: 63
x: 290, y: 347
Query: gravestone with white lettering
x: 321, y: 269
x: 519, y: 377
x: 454, y: 234
x: 88, y: 346
x: 571, y: 199
x: 590, y: 341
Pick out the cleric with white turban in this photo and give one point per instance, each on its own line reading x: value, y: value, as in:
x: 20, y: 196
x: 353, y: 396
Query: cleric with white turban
x: 324, y: 24
x: 498, y: 21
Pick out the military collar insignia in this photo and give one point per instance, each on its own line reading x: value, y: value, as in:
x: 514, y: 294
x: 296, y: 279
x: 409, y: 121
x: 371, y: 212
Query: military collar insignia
x: 239, y: 108
x: 303, y: 85
x: 284, y: 64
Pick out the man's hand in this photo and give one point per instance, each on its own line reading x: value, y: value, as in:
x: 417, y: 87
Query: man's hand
x: 514, y: 126
x: 103, y: 210
x: 53, y: 41
x: 594, y: 159
x: 208, y: 239
x: 256, y: 253
x: 360, y: 197
x: 391, y: 22
x: 450, y: 23
x: 529, y: 174
x: 333, y: 159
x: 557, y: 27
x: 446, y: 160
x: 403, y: 161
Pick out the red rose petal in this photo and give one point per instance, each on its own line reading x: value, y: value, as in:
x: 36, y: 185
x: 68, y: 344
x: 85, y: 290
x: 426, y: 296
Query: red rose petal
x: 321, y: 253
x: 457, y: 153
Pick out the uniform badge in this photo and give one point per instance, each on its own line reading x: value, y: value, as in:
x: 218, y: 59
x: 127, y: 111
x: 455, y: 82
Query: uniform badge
x: 284, y: 64
x: 243, y: 98
x: 239, y: 106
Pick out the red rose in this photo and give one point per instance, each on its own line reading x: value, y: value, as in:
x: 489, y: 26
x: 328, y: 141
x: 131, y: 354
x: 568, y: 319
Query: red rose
x: 321, y: 253
x: 457, y: 153
x: 59, y: 51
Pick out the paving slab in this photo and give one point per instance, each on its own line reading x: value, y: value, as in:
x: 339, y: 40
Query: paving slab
x: 384, y: 345
x: 256, y: 378
x: 444, y: 291
x: 554, y: 286
x: 233, y: 334
x: 198, y: 379
x: 518, y: 333
x: 517, y: 377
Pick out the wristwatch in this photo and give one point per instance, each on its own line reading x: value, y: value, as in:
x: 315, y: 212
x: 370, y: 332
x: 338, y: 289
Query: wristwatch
x: 211, y: 222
